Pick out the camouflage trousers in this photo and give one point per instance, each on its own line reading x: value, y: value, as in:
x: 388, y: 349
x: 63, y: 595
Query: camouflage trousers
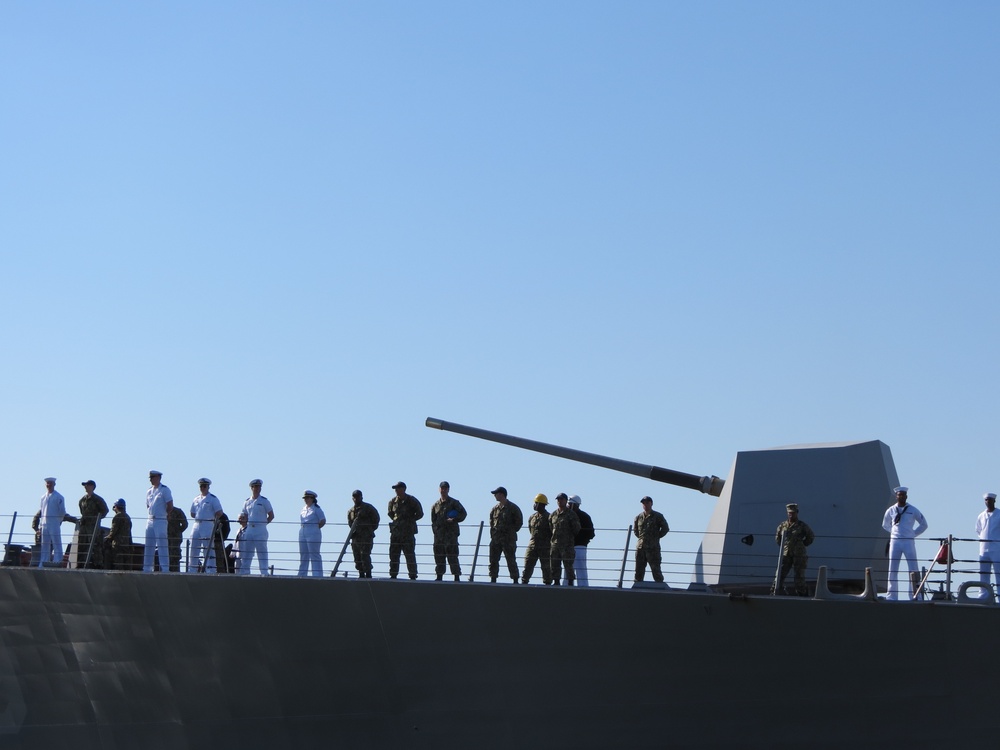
x: 540, y: 555
x: 506, y: 545
x: 798, y: 563
x: 650, y: 556
x: 563, y: 556
x: 446, y: 549
x: 407, y: 545
x: 89, y: 542
x: 362, y: 549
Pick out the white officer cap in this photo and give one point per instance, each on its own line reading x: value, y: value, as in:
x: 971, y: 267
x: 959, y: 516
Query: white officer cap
x: 155, y: 473
x: 990, y: 496
x: 575, y: 499
x: 309, y: 493
x: 904, y: 490
x: 203, y: 480
x: 49, y: 479
x: 256, y: 482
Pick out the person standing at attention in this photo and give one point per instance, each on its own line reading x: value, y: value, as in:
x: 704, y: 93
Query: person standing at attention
x: 311, y: 520
x: 159, y: 503
x: 259, y: 513
x: 904, y: 524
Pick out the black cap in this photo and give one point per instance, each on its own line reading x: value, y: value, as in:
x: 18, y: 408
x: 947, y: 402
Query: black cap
x: 399, y: 486
x: 646, y: 499
x: 445, y: 484
x: 356, y: 493
x: 89, y: 481
x: 499, y: 490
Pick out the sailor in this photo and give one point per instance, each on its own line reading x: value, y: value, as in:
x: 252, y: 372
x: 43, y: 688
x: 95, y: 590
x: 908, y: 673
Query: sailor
x: 52, y: 514
x: 580, y: 542
x: 90, y: 545
x: 118, y: 542
x: 159, y: 503
x: 650, y: 527
x: 797, y: 536
x: 565, y: 526
x: 311, y: 520
x: 404, y: 512
x: 540, y: 545
x: 505, y: 521
x: 446, y: 514
x: 904, y: 524
x: 258, y: 513
x: 362, y: 532
x: 988, y: 531
x: 206, y: 510
x: 177, y: 524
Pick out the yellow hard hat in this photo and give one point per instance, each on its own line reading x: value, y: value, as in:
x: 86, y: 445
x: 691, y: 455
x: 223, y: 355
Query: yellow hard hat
x: 540, y: 498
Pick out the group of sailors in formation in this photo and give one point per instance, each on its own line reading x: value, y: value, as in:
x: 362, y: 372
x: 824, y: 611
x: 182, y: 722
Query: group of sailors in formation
x: 558, y: 539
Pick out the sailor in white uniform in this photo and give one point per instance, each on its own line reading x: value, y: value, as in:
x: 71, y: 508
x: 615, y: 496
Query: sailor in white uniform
x: 205, y: 509
x: 904, y: 524
x: 159, y: 503
x: 311, y: 520
x: 259, y: 514
x: 53, y: 511
x: 988, y: 531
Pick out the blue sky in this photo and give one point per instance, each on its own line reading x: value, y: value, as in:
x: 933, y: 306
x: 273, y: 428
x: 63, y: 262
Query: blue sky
x: 243, y: 239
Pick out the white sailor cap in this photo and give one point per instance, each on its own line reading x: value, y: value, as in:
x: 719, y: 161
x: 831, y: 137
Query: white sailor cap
x: 990, y: 496
x: 904, y: 490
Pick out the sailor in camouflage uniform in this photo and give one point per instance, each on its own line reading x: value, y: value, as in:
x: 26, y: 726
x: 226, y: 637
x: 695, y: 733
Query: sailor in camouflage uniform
x: 565, y: 526
x: 118, y: 542
x: 363, y: 534
x: 505, y: 521
x: 404, y: 512
x: 446, y: 514
x: 798, y: 536
x: 650, y: 527
x: 540, y: 547
x: 90, y: 545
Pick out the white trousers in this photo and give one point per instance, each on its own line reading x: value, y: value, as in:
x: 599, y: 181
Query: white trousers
x: 254, y: 544
x: 156, y: 543
x: 201, y: 544
x: 51, y: 542
x: 901, y: 548
x: 579, y: 567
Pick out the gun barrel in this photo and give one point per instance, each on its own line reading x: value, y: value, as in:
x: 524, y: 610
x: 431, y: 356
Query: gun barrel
x: 710, y: 485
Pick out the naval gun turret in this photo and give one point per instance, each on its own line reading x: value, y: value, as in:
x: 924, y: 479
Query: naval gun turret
x: 842, y: 488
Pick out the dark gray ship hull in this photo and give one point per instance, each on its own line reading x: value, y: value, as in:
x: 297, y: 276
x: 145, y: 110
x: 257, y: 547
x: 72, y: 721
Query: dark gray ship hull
x: 121, y: 660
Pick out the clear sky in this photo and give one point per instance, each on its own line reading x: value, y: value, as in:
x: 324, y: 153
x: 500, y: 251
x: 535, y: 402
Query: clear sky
x: 259, y: 239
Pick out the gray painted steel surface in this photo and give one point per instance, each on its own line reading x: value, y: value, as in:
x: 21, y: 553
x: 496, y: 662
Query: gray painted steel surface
x: 93, y: 659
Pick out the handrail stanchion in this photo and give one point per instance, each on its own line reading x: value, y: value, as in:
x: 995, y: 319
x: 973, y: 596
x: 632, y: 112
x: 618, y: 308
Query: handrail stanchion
x: 343, y: 550
x: 628, y: 541
x: 10, y: 536
x: 947, y: 578
x: 475, y: 555
x: 777, y: 572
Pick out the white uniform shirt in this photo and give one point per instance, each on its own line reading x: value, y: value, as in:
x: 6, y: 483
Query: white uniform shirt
x: 257, y: 510
x: 204, y: 507
x: 156, y: 502
x: 905, y: 529
x: 988, y: 529
x: 310, y: 517
x: 53, y: 507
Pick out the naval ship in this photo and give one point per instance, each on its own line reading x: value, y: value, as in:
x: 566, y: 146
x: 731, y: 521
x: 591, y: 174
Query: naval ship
x: 118, y: 659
